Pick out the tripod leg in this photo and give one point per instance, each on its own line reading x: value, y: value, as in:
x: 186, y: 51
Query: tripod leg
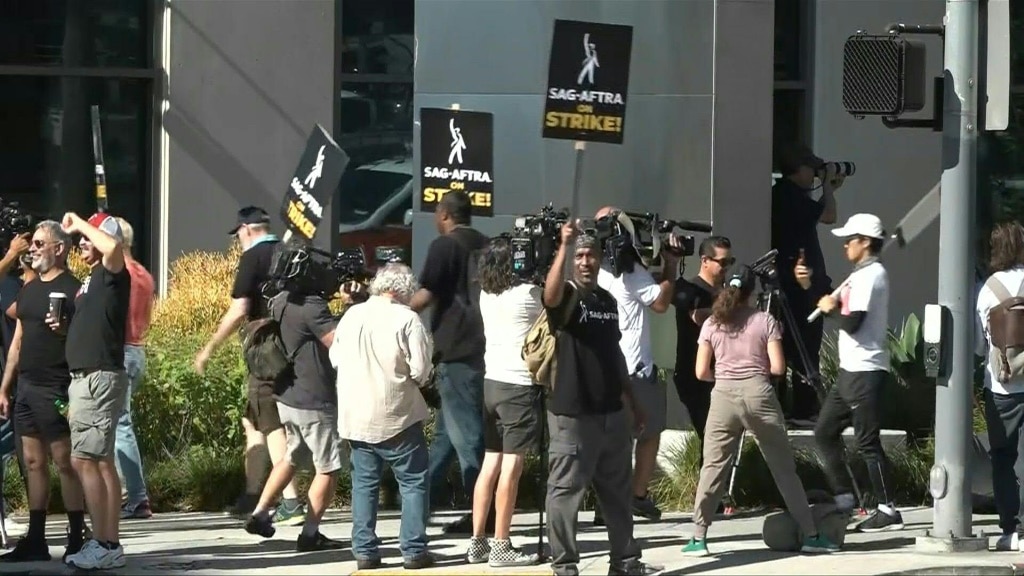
x: 730, y: 505
x: 542, y: 475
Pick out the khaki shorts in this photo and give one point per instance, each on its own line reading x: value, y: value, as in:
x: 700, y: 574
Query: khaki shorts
x: 95, y: 402
x: 315, y: 430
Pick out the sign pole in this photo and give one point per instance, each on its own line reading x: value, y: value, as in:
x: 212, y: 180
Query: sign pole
x: 577, y: 178
x: 950, y: 482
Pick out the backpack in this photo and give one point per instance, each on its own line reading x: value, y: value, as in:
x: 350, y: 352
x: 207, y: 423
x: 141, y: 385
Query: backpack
x: 1006, y: 332
x: 262, y: 347
x: 539, y: 347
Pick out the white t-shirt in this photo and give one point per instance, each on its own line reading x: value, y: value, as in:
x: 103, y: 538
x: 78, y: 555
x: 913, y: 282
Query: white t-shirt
x: 507, y: 318
x: 634, y: 291
x: 867, y: 349
x: 1011, y: 280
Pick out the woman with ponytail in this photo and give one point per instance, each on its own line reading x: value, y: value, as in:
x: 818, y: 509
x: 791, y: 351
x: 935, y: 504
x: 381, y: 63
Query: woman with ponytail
x: 746, y: 347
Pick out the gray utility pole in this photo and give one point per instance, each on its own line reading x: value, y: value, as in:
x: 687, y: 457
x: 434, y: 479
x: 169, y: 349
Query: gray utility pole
x: 950, y: 477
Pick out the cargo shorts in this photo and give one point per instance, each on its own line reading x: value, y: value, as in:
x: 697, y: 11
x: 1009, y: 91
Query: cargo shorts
x: 95, y: 402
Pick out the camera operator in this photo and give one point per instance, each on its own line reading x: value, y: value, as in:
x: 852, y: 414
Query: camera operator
x: 12, y: 268
x: 590, y: 440
x: 795, y: 218
x: 636, y: 292
x: 458, y: 345
x: 307, y: 403
x: 863, y: 315
x: 263, y: 429
x: 509, y: 308
x: 693, y: 300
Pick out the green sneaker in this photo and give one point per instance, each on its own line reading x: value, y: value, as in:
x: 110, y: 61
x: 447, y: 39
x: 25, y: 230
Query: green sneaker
x: 696, y: 547
x: 290, y: 513
x: 818, y: 545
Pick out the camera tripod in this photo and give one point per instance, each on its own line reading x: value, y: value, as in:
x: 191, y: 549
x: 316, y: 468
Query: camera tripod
x: 772, y: 300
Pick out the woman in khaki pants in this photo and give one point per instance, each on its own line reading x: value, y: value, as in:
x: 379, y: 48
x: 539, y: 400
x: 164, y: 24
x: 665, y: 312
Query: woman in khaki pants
x: 746, y: 345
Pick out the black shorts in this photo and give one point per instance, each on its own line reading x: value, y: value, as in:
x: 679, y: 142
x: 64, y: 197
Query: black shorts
x: 261, y: 408
x: 36, y: 414
x: 511, y: 417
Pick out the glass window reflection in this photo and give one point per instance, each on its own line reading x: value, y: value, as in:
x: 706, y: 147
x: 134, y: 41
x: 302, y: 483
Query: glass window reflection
x: 100, y: 33
x: 46, y: 158
x: 789, y: 39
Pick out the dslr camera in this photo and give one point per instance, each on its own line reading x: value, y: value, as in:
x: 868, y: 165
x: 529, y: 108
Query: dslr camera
x: 843, y: 168
x: 307, y: 271
x: 14, y: 222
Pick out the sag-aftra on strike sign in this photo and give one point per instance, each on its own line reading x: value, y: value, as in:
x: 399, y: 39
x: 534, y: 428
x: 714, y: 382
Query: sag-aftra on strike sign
x: 457, y: 153
x: 588, y: 79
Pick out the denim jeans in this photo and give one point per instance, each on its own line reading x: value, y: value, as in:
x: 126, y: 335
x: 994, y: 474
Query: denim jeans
x: 1004, y: 415
x: 126, y: 447
x: 460, y: 422
x: 406, y: 454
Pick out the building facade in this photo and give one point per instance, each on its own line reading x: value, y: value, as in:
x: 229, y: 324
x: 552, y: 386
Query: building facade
x: 205, y: 107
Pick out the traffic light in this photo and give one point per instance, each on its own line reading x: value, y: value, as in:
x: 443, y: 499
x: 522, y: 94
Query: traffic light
x: 883, y: 75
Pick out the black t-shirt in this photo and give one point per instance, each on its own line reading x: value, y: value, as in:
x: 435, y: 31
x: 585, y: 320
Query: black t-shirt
x: 591, y: 366
x: 42, y: 360
x: 253, y: 273
x: 455, y: 322
x: 96, y: 334
x: 690, y: 295
x: 794, y: 226
x: 311, y: 383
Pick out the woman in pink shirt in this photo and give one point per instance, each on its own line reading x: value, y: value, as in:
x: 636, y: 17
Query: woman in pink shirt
x: 746, y: 347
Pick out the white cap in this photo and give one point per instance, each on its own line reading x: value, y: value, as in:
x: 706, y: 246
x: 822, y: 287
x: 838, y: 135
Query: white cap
x: 867, y: 225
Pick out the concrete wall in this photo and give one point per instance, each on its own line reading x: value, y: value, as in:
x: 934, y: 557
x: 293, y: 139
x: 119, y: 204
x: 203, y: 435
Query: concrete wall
x: 247, y: 82
x: 895, y: 168
x: 694, y: 132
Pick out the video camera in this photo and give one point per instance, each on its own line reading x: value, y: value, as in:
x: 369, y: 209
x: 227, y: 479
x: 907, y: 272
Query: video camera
x: 627, y: 236
x: 764, y: 268
x: 14, y: 222
x: 304, y: 270
x: 534, y: 241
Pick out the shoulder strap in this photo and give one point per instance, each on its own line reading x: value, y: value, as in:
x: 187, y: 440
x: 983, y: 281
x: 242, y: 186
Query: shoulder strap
x: 275, y: 306
x: 998, y: 288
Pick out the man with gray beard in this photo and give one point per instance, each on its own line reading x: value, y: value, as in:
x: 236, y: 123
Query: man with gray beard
x: 37, y: 357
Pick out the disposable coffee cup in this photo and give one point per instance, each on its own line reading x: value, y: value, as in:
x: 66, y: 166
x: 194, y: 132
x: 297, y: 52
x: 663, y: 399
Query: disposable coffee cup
x: 57, y: 300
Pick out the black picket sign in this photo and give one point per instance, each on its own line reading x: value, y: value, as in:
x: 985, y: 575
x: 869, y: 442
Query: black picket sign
x: 313, y: 185
x: 588, y: 80
x: 457, y: 153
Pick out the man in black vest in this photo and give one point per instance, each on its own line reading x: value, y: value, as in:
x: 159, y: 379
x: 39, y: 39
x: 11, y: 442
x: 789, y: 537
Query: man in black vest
x: 458, y: 332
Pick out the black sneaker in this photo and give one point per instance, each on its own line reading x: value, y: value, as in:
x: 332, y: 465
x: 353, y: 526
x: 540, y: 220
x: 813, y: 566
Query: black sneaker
x: 317, y: 543
x: 424, y: 560
x: 260, y: 525
x: 634, y: 568
x: 646, y: 508
x: 28, y: 551
x: 464, y: 525
x: 880, y: 521
x: 368, y: 563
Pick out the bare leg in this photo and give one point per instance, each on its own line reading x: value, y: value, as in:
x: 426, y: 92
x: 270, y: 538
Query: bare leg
x: 483, y: 492
x: 255, y: 457
x: 646, y: 460
x: 321, y: 491
x: 277, y: 445
x: 280, y: 476
x: 96, y: 495
x: 505, y: 497
x: 108, y: 471
x: 36, y: 469
x: 70, y: 487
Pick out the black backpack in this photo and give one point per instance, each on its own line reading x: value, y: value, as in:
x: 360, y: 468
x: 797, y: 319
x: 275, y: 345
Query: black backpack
x: 262, y: 347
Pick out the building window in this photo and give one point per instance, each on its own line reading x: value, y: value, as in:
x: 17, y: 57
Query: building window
x: 790, y: 118
x: 376, y: 121
x: 58, y: 58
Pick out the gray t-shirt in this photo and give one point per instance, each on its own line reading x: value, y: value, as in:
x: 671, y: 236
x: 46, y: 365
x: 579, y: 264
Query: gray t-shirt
x: 741, y: 351
x: 311, y: 384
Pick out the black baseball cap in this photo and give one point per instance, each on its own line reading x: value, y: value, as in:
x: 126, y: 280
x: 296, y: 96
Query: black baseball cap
x: 250, y: 215
x: 793, y: 155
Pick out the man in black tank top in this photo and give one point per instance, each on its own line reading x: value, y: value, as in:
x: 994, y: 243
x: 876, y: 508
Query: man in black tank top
x: 36, y: 356
x: 590, y: 436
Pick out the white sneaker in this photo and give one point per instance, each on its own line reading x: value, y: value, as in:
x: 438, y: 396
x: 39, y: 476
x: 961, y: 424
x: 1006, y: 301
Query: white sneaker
x: 1008, y: 543
x: 86, y: 558
x: 15, y: 529
x: 114, y: 559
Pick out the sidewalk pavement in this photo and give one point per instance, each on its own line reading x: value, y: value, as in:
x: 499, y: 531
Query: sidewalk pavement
x: 215, y: 544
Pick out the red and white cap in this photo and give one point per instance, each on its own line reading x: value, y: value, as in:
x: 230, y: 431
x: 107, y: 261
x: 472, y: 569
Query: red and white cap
x: 108, y: 224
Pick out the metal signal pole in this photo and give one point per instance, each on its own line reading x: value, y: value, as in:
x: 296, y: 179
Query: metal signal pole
x: 950, y: 481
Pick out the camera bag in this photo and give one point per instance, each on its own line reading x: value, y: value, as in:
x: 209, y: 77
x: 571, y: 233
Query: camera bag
x: 1006, y: 332
x: 540, y: 344
x: 262, y: 346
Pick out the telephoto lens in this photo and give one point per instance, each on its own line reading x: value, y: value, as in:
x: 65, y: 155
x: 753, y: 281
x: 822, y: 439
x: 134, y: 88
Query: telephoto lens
x: 843, y: 168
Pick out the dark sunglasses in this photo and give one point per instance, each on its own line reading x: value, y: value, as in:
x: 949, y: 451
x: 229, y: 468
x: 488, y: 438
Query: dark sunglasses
x: 724, y: 262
